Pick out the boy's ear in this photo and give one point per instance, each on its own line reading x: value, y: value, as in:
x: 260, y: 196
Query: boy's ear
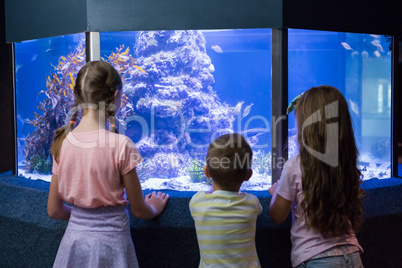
x: 250, y: 173
x: 206, y: 171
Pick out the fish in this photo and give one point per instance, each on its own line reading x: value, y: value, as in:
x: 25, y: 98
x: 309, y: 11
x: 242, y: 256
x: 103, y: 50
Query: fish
x: 377, y: 44
x: 346, y: 46
x: 354, y: 107
x: 34, y: 57
x: 375, y: 35
x: 17, y: 67
x: 254, y: 132
x: 237, y: 108
x: 247, y: 110
x: 217, y: 48
x: 377, y: 53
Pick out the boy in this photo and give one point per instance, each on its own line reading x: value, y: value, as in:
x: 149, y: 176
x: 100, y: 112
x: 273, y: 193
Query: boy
x: 225, y: 219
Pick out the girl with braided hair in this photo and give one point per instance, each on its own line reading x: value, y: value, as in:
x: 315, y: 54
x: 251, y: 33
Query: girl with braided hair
x: 91, y: 168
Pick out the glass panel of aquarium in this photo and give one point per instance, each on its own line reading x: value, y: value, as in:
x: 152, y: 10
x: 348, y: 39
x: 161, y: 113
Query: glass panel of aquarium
x: 45, y: 70
x: 182, y: 89
x: 359, y: 65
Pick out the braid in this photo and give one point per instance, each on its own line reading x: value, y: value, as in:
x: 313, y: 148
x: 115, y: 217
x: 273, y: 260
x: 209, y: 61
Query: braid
x: 110, y: 109
x: 61, y: 134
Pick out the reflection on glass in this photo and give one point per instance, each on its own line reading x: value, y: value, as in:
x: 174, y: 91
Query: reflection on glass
x: 359, y: 65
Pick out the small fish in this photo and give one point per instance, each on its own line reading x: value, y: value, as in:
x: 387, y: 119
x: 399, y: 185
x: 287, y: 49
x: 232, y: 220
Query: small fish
x: 17, y: 67
x: 217, y: 48
x: 354, y: 107
x: 377, y: 44
x: 375, y: 35
x: 377, y: 53
x: 247, y: 110
x: 34, y: 57
x: 346, y: 46
x: 237, y: 108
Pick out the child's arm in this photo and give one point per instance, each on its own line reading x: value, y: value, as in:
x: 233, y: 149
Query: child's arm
x: 279, y: 207
x: 56, y: 209
x: 147, y: 208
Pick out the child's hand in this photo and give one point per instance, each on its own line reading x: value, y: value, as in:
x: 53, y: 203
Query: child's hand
x: 272, y: 189
x: 157, y: 201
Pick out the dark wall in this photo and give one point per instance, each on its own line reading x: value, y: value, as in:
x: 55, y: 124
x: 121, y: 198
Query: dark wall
x: 7, y: 148
x: 399, y: 125
x: 370, y: 16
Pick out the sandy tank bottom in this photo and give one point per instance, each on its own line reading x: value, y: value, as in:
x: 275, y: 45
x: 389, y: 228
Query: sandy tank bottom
x: 182, y: 183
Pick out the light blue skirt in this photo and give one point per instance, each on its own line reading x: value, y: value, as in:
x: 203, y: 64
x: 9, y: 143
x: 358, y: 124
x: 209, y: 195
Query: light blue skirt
x: 97, y: 237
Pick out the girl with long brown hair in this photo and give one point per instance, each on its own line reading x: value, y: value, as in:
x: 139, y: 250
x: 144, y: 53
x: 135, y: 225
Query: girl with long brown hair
x: 91, y: 168
x: 321, y: 185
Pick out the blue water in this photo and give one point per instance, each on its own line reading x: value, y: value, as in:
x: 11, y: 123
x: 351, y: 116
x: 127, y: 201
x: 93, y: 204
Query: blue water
x: 359, y: 65
x: 242, y: 74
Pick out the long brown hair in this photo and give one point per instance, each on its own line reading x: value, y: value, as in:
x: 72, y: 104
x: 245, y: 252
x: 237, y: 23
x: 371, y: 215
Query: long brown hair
x: 332, y: 194
x: 96, y: 82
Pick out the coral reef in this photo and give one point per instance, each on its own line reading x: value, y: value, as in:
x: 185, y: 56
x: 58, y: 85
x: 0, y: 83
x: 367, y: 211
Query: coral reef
x: 175, y: 97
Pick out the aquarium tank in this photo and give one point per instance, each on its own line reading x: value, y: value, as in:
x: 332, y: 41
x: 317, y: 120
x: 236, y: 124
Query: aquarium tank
x: 182, y: 89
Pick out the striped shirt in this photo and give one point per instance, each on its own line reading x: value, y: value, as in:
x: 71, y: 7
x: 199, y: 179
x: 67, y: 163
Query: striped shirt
x: 225, y: 223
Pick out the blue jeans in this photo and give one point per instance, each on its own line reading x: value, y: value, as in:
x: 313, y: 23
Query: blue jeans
x: 349, y: 261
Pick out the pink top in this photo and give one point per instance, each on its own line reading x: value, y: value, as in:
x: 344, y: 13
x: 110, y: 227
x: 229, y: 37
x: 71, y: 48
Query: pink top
x: 91, y: 165
x: 305, y: 243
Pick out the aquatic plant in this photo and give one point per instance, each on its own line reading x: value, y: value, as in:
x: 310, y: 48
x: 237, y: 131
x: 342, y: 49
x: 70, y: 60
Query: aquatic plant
x: 196, y: 172
x: 41, y: 165
x: 175, y: 94
x: 262, y: 163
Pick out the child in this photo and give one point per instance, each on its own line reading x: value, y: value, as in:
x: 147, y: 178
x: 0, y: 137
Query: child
x: 225, y: 219
x: 91, y: 168
x: 321, y: 185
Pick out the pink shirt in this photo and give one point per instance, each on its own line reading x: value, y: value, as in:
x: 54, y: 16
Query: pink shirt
x: 91, y: 165
x: 305, y: 243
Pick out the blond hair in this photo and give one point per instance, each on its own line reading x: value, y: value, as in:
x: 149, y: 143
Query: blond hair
x: 96, y: 82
